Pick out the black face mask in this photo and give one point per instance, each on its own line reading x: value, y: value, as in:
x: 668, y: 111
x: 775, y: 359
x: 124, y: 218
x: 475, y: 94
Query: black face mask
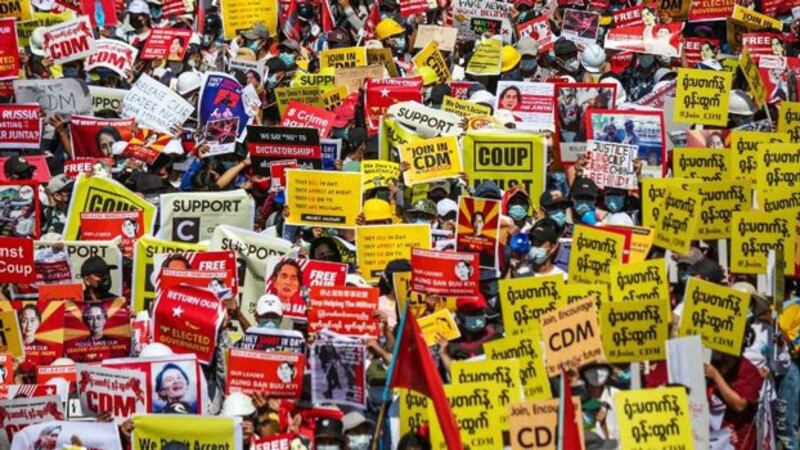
x: 136, y: 21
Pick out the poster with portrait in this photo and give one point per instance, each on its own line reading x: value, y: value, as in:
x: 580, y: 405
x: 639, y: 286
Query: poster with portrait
x: 445, y: 273
x: 644, y: 129
x: 19, y: 209
x: 97, y: 330
x: 531, y: 104
x: 220, y: 135
x: 478, y: 228
x: 186, y: 319
x: 59, y: 434
x: 572, y: 101
x: 18, y: 413
x: 42, y: 327
x: 274, y: 374
x: 213, y: 270
x: 94, y: 137
x: 539, y: 30
x: 780, y: 76
x: 288, y: 278
x: 169, y: 43
x: 106, y: 226
x: 581, y: 27
x: 146, y: 145
x: 51, y: 257
x: 661, y: 39
x: 273, y: 340
x: 338, y: 372
x: 221, y: 98
x: 119, y: 392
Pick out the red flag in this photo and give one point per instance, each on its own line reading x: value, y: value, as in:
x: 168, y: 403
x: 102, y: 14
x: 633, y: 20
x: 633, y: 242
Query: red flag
x: 371, y: 22
x: 569, y: 436
x: 291, y: 27
x: 413, y: 368
x: 327, y: 17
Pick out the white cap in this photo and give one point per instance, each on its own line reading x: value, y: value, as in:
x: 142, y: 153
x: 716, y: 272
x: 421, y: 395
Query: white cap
x: 374, y: 43
x: 445, y: 206
x: 504, y: 117
x: 740, y: 103
x: 354, y: 279
x: 593, y: 57
x: 188, y: 82
x: 238, y: 405
x: 269, y: 304
x: 138, y: 7
x: 63, y: 362
x: 36, y: 41
x: 154, y: 350
x: 744, y: 286
x: 483, y: 96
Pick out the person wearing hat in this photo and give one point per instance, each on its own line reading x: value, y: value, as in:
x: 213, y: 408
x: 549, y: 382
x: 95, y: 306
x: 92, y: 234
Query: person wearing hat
x: 596, y: 377
x: 584, y: 194
x: 554, y: 204
x: 517, y: 204
x: 255, y: 39
x: 215, y: 58
x: 544, y: 248
x: 394, y: 37
x: 96, y: 275
x: 422, y: 211
x: 238, y: 404
x: 474, y: 327
x: 376, y: 212
x: 355, y: 146
x: 618, y: 204
x: 593, y: 59
x: 510, y: 58
x: 269, y: 312
x: 140, y: 21
x: 528, y: 49
x: 329, y: 434
x: 357, y: 430
x: 17, y: 168
x: 59, y: 190
x: 568, y: 63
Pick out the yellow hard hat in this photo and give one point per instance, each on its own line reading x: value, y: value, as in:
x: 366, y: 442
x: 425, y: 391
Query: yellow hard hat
x: 376, y: 209
x: 428, y: 75
x: 387, y: 28
x: 510, y: 57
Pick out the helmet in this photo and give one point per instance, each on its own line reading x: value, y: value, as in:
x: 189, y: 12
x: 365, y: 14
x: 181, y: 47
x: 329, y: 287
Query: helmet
x: 188, y: 82
x: 520, y: 243
x: 593, y: 57
x: 741, y: 104
x: 37, y: 41
x: 743, y: 286
x: 238, y: 405
x: 154, y: 350
x: 306, y: 11
x: 425, y: 206
x: 269, y: 304
x: 510, y: 57
x: 387, y: 28
x: 63, y: 362
x: 377, y: 209
x: 428, y: 75
x: 446, y: 206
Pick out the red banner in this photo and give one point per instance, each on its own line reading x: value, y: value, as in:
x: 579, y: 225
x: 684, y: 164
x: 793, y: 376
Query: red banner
x: 69, y: 41
x: 268, y: 144
x: 707, y: 10
x: 539, y: 30
x: 186, y: 319
x: 459, y: 89
x: 412, y: 7
x: 119, y: 392
x: 699, y: 49
x: 9, y: 50
x: 761, y: 44
x: 41, y: 174
x: 268, y: 373
x: 42, y: 327
x: 98, y: 330
x: 106, y: 226
x: 281, y: 271
x: 113, y: 55
x: 344, y: 310
x: 628, y: 17
x: 383, y: 93
x: 16, y: 260
x: 20, y: 126
x: 299, y: 115
x: 274, y: 442
x: 94, y: 136
x: 77, y: 166
x: 445, y: 273
x: 169, y: 43
x: 213, y: 270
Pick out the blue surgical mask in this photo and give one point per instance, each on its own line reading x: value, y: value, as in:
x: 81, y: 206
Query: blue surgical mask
x: 528, y: 65
x: 583, y: 206
x: 400, y: 43
x: 538, y: 255
x: 254, y: 45
x: 614, y: 203
x: 474, y: 324
x: 272, y: 80
x: 517, y: 212
x: 559, y: 216
x: 287, y: 58
x: 269, y: 323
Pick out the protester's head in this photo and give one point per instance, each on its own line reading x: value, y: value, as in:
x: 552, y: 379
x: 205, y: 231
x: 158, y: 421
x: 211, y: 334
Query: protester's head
x: 358, y: 430
x: 324, y: 248
x: 212, y: 28
x: 509, y: 58
x: 584, y: 199
x: 411, y: 441
x: 95, y: 317
x: 544, y: 241
x: 18, y: 168
x: 238, y: 404
x: 516, y: 203
x: 593, y: 58
x: 555, y: 205
x: 386, y: 282
x: 392, y: 35
x: 29, y: 321
x: 356, y: 143
x: 287, y: 277
x: 422, y: 211
x: 60, y: 187
x: 566, y: 53
x: 709, y: 270
x: 96, y: 274
x: 329, y: 434
x: 596, y: 375
x: 138, y: 15
x: 269, y: 311
x: 471, y: 312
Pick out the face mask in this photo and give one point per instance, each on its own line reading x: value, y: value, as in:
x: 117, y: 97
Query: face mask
x: 614, y: 203
x: 419, y: 220
x: 538, y: 255
x: 269, y: 323
x: 207, y: 40
x: 474, y: 324
x: 105, y: 283
x: 272, y: 81
x: 559, y: 216
x: 583, y: 206
x: 517, y: 212
x: 287, y: 58
x: 597, y: 376
x: 358, y: 442
x: 572, y: 65
x: 254, y: 45
x: 527, y: 66
x: 329, y: 447
x: 156, y: 12
x: 193, y: 63
x: 135, y: 21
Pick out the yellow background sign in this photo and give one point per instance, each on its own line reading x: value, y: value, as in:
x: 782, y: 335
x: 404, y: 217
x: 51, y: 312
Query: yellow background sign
x: 376, y: 245
x: 678, y: 220
x: 789, y: 120
x: 152, y: 430
x: 241, y: 15
x: 430, y: 56
x: 755, y: 233
x: 715, y: 313
x: 431, y: 159
x: 464, y: 108
x: 702, y: 96
x: 571, y: 336
x: 646, y: 280
x: 593, y: 254
x: 502, y: 372
x: 476, y: 408
x: 525, y: 300
x: 635, y: 331
x: 654, y: 419
x: 778, y: 166
x: 719, y: 200
x: 326, y: 199
x: 343, y: 57
x: 438, y: 324
x: 744, y: 151
x: 527, y: 351
x: 709, y: 164
x: 309, y: 95
x: 12, y: 337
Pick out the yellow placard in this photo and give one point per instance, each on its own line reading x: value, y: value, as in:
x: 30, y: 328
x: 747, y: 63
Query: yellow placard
x: 525, y: 300
x: 353, y: 77
x: 789, y: 119
x: 641, y: 241
x: 383, y: 56
x: 534, y: 425
x: 778, y: 166
x: 94, y: 193
x: 431, y: 160
x: 707, y: 164
x: 502, y: 372
x: 715, y: 313
x: 593, y: 254
x: 635, y: 331
x: 413, y: 411
x: 323, y: 198
x: 464, y: 108
x: 156, y: 430
x: 527, y: 351
x: 430, y: 56
x: 476, y: 408
x: 753, y: 19
x: 377, y: 173
x: 440, y: 323
x: 376, y: 245
x: 702, y: 96
x: 755, y: 233
x: 753, y: 77
x: 654, y: 419
x: 779, y: 200
x: 645, y: 280
x: 571, y: 337
x: 11, y: 340
x: 486, y: 59
x: 575, y: 292
x: 308, y: 95
x: 242, y: 15
x: 417, y: 304
x: 744, y: 151
x: 653, y: 192
x: 143, y: 252
x: 719, y: 200
x: 16, y: 9
x: 678, y: 221
x: 343, y: 57
x: 323, y: 80
x: 676, y: 10
x: 40, y: 19
x: 393, y: 137
x: 334, y: 97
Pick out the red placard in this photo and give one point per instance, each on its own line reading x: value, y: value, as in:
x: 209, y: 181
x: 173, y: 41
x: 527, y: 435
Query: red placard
x: 170, y: 43
x: 9, y: 50
x: 20, y: 126
x: 299, y: 115
x: 106, y: 226
x: 538, y: 29
x: 445, y: 273
x: 693, y: 48
x: 213, y: 270
x: 69, y: 41
x: 113, y: 55
x: 7, y: 365
x: 706, y: 10
x: 47, y: 373
x: 274, y: 442
x: 344, y: 310
x: 412, y: 7
x: 41, y: 174
x: 97, y: 330
x: 312, y: 273
x: 16, y: 255
x: 42, y: 328
x: 383, y: 93
x: 760, y: 44
x: 186, y: 319
x: 459, y: 89
x: 273, y: 374
x: 628, y: 17
x: 63, y: 292
x: 94, y: 136
x: 77, y: 166
x: 277, y: 173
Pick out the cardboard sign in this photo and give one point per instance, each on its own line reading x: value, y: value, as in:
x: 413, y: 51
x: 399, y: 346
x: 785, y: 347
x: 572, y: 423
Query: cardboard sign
x: 431, y: 160
x: 113, y: 55
x: 430, y: 56
x: 572, y: 336
x: 9, y: 48
x: 707, y: 164
x: 716, y: 313
x: 268, y: 144
x: 534, y: 425
x: 527, y: 351
x: 61, y: 292
x: 486, y: 60
x: 750, y: 71
x: 502, y: 372
x: 207, y: 432
x: 186, y: 319
x: 69, y: 41
x: 654, y: 418
x: 193, y: 216
x: 593, y: 254
x: 446, y: 273
x: 473, y: 18
x: 119, y: 392
x: 166, y: 43
x: 97, y: 331
x: 720, y: 199
x: 526, y: 300
x: 242, y: 15
x: 317, y: 198
x: 376, y: 173
x: 635, y: 331
x: 128, y: 226
x: 744, y: 148
x: 353, y: 78
x: 63, y: 96
x: 377, y: 245
x: 343, y: 57
x: 307, y: 95
x: 95, y: 136
x: 755, y: 233
x: 703, y: 97
x: 645, y: 280
x: 611, y: 165
x: 277, y: 375
x: 344, y: 310
x: 17, y: 256
x: 539, y: 30
x: 678, y: 220
x: 445, y: 37
x: 304, y: 116
x: 154, y: 105
x: 19, y: 10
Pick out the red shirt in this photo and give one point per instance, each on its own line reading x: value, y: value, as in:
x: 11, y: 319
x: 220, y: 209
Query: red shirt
x: 747, y: 383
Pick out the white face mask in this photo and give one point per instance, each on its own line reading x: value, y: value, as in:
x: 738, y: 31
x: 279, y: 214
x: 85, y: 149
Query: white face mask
x: 597, y: 376
x: 358, y: 442
x: 329, y: 447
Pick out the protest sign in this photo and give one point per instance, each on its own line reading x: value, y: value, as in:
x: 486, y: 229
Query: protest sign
x: 682, y: 356
x: 221, y: 98
x: 154, y: 105
x: 502, y: 372
x: 213, y: 270
x: 128, y: 226
x: 7, y: 366
x: 95, y: 136
x: 611, y: 165
x: 430, y: 56
x: 678, y: 220
x: 113, y: 55
x: 15, y: 10
x: 376, y: 173
x: 534, y: 425
x: 73, y: 254
x: 431, y: 160
x: 273, y: 340
x: 755, y: 233
x: 413, y: 410
x: 654, y: 191
x: 478, y: 228
x: 744, y: 148
x: 380, y: 94
x: 529, y: 103
x: 473, y: 18
x: 42, y: 328
x: 63, y: 96
x: 269, y: 373
x: 353, y: 78
x: 751, y: 74
x: 10, y: 336
x: 22, y: 412
x: 21, y: 208
x: 445, y: 37
x: 525, y: 300
x: 381, y: 57
x: 594, y: 253
x: 318, y: 199
x: 707, y: 164
x: 464, y: 108
x: 635, y: 331
x: 192, y: 217
x: 581, y: 27
x: 338, y: 372
x: 761, y: 44
x: 186, y: 319
x: 166, y: 43
x: 40, y: 19
x: 778, y: 166
x: 715, y: 313
x: 486, y: 61
x: 719, y: 200
x: 539, y: 30
x: 343, y: 57
x: 646, y: 280
x: 334, y: 97
x: 439, y: 324
x: 702, y: 10
x: 307, y: 95
x: 654, y: 418
x: 393, y: 136
x: 477, y: 410
x: 69, y: 41
x: 147, y: 145
x: 153, y: 430
x: 753, y: 19
x: 643, y: 128
x: 661, y: 39
x: 96, y: 331
x: 10, y: 62
x: 104, y: 98
x: 446, y: 273
x: 574, y: 292
x: 118, y: 392
x: 789, y: 119
x: 290, y: 278
x: 698, y: 49
x: 304, y: 116
x: 344, y: 310
x: 241, y: 15
x: 572, y: 336
x: 527, y: 351
x: 268, y: 144
x: 702, y: 97
x: 377, y: 245
x: 92, y: 194
x: 412, y: 7
x: 631, y: 16
x: 425, y: 121
x: 98, y: 435
x: 275, y: 442
x: 508, y: 159
x: 572, y: 100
